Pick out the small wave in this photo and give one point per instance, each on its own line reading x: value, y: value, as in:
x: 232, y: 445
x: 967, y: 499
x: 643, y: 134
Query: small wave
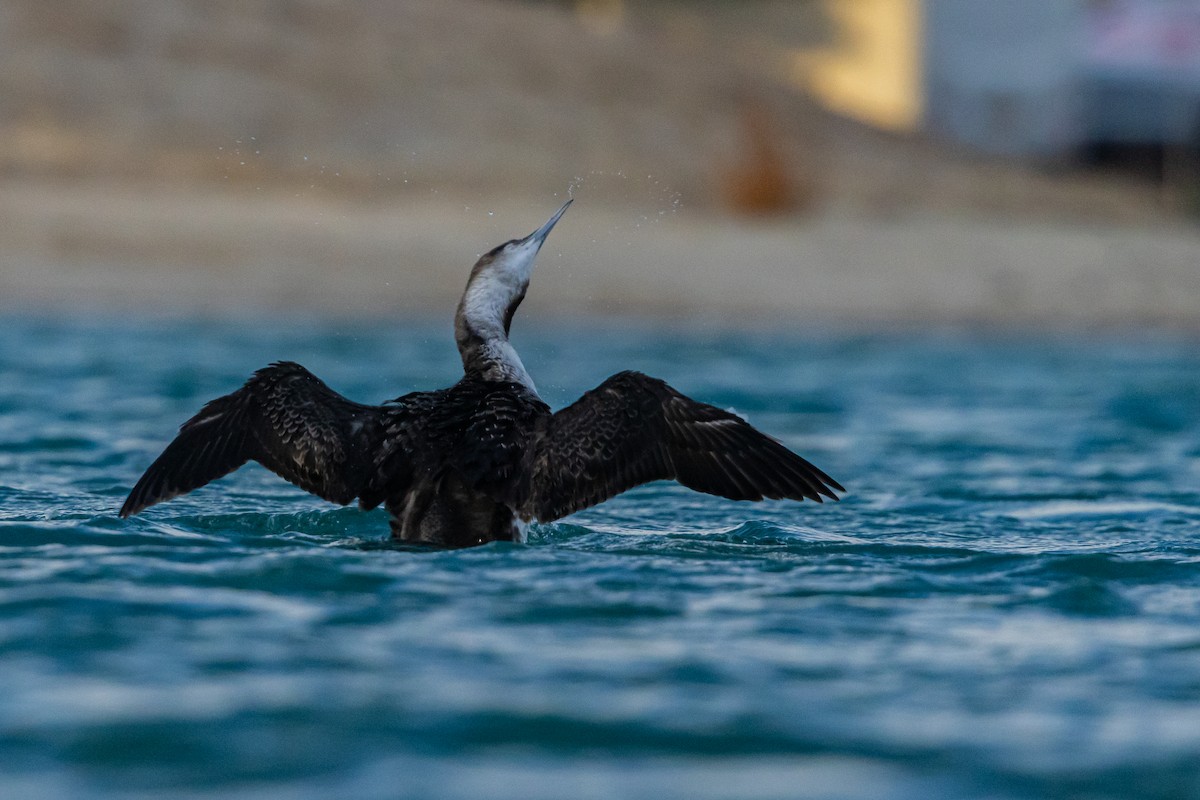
x: 746, y: 537
x: 1100, y: 508
x: 91, y: 532
x: 765, y: 532
x: 1085, y: 598
x: 308, y: 525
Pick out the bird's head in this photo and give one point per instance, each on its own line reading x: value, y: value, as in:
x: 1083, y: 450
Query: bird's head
x: 498, y: 283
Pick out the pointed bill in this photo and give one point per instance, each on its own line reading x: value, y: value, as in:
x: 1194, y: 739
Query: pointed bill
x: 541, y: 233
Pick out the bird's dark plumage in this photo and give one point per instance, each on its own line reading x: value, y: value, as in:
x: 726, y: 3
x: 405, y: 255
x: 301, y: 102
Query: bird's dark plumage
x: 632, y: 429
x: 286, y: 419
x: 477, y: 461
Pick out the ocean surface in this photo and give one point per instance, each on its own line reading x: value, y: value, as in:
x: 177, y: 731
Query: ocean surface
x: 1006, y: 604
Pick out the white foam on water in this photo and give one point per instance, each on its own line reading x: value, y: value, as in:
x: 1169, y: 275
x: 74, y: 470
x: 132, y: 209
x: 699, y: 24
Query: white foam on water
x: 1099, y: 508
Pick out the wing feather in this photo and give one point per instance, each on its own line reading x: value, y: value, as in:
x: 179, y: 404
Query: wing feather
x: 633, y: 429
x: 286, y: 419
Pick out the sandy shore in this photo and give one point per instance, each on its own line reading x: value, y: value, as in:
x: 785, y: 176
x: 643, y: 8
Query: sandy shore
x: 116, y: 248
x: 291, y: 154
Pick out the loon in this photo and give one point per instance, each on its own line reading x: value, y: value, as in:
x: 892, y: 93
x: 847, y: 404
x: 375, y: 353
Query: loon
x: 479, y: 461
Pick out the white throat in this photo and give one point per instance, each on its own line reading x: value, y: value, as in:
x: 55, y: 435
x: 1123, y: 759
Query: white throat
x: 496, y: 288
x: 494, y: 291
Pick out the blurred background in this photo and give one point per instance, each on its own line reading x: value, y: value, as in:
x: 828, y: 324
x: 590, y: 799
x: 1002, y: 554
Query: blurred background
x: 865, y: 161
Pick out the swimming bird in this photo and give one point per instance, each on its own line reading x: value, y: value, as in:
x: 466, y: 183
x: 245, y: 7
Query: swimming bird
x: 480, y: 460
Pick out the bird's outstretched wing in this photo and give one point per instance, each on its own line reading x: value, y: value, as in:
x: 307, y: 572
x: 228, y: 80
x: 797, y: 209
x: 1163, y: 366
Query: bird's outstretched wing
x: 286, y: 419
x: 632, y: 429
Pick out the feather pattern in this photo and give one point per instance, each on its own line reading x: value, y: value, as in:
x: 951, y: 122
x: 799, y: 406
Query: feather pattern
x: 286, y: 419
x: 633, y: 429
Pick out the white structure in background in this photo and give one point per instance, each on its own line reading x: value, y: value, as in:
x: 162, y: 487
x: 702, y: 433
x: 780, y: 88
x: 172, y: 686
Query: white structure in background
x: 1002, y: 76
x: 1140, y: 73
x: 1043, y: 78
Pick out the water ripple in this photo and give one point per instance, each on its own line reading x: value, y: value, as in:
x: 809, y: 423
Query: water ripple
x: 1005, y: 605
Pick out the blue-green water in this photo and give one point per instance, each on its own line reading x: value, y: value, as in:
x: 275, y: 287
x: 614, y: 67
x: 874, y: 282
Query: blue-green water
x: 1007, y: 604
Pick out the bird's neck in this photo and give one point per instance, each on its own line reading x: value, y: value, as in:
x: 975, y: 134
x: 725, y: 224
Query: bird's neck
x: 481, y: 330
